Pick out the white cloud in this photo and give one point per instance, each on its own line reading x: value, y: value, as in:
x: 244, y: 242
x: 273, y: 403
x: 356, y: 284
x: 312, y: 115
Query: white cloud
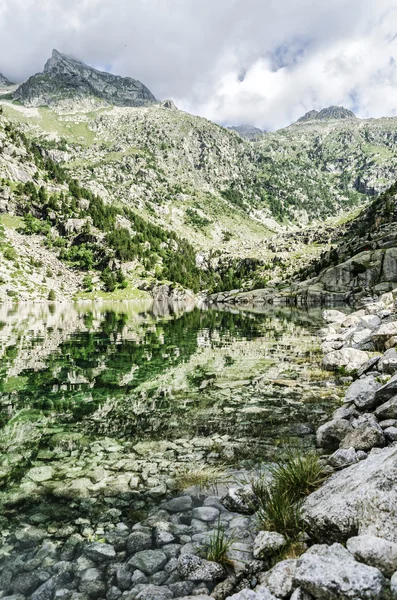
x: 232, y: 61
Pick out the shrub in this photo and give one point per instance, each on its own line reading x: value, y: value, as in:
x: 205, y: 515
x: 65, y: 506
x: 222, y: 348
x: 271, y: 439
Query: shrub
x: 87, y: 283
x: 51, y: 296
x: 10, y: 253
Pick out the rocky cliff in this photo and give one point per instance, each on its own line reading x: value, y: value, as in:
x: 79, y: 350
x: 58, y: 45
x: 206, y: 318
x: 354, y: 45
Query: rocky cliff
x: 4, y: 82
x: 66, y: 80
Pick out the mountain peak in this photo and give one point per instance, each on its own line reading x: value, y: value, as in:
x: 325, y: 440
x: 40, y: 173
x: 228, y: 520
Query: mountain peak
x: 66, y: 79
x: 331, y: 112
x: 4, y: 81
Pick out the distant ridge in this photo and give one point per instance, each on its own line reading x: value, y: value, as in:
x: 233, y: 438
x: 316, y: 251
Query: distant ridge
x: 248, y: 132
x: 64, y: 78
x: 332, y: 112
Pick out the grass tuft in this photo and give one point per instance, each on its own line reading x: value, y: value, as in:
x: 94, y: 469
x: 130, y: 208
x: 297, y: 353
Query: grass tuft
x: 205, y: 477
x: 218, y: 546
x: 280, y: 500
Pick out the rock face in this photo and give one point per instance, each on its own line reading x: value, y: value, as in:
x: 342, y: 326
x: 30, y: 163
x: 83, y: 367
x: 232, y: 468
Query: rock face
x: 361, y: 498
x: 65, y: 78
x: 330, y: 572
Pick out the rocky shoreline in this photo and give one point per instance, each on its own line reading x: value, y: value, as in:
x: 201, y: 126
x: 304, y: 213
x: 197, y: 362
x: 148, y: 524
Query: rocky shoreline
x: 82, y: 547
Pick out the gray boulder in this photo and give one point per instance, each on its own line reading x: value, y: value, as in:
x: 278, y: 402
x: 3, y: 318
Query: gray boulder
x: 261, y: 593
x: 155, y: 592
x: 138, y: 541
x: 149, y: 561
x: 194, y: 568
x: 360, y: 498
x: 388, y: 362
x: 279, y: 580
x: 383, y: 333
x: 374, y: 551
x: 268, y: 542
x: 362, y: 392
x: 349, y: 358
x: 343, y: 458
x: 388, y: 410
x: 179, y: 504
x: 300, y: 594
x: 206, y: 513
x: 368, y: 366
x: 332, y: 433
x: 391, y: 434
x: 331, y: 573
x: 387, y: 391
x: 366, y: 434
x: 100, y: 552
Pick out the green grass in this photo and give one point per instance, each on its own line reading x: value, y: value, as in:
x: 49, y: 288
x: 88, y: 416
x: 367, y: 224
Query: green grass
x: 216, y: 550
x: 129, y: 293
x: 204, y: 476
x: 11, y: 221
x: 280, y: 500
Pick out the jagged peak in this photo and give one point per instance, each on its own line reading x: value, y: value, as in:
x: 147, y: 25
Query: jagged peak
x: 331, y: 112
x: 66, y: 79
x: 4, y: 81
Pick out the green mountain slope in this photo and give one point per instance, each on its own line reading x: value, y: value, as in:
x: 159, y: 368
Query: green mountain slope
x: 316, y: 167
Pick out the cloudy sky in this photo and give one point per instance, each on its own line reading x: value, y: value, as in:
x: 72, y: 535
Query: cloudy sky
x: 263, y: 62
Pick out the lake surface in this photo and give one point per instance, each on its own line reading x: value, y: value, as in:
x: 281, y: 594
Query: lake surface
x: 133, y: 373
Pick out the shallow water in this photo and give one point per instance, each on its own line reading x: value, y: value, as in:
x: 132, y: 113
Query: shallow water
x: 154, y: 372
x: 108, y: 409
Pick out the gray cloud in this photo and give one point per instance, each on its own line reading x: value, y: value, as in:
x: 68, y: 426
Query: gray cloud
x: 232, y: 61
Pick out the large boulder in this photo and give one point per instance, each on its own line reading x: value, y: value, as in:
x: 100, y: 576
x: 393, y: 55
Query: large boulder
x: 383, y: 333
x: 374, y: 551
x: 360, y: 499
x: 349, y: 358
x: 332, y: 433
x: 331, y: 573
x: 366, y: 434
x: 362, y: 392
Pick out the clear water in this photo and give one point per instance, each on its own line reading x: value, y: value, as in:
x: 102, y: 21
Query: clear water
x: 150, y: 372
